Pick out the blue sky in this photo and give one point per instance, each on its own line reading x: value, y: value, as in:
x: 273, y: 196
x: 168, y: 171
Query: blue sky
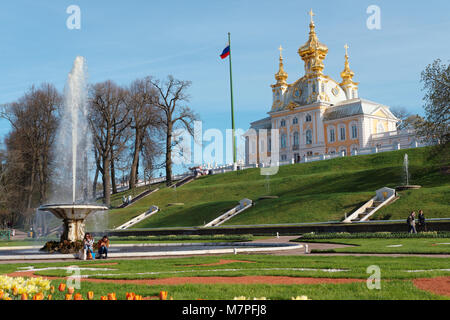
x: 124, y: 40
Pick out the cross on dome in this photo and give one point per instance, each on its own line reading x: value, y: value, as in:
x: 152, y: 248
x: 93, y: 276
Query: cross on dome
x: 311, y: 13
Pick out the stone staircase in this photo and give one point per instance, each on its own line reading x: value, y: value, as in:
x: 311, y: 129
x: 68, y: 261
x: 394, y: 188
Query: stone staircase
x: 368, y: 210
x: 244, y: 204
x: 153, y: 210
x: 383, y: 197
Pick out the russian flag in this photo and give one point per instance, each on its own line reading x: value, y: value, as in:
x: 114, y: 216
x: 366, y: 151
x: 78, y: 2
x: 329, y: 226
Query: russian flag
x: 225, y: 52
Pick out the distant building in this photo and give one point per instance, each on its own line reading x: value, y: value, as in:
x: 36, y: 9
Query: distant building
x: 317, y: 115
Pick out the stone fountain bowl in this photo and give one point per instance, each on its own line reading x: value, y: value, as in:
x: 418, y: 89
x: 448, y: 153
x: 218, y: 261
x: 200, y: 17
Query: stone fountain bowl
x: 407, y: 187
x: 73, y: 216
x: 72, y: 211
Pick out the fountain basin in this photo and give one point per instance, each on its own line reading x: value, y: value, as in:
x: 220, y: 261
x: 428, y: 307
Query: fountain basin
x: 407, y: 187
x: 73, y: 216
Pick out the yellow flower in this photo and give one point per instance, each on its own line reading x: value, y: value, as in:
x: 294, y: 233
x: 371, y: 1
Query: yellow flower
x: 300, y: 298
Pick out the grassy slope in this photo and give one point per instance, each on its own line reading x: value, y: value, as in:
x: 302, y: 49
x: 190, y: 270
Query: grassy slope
x: 312, y: 192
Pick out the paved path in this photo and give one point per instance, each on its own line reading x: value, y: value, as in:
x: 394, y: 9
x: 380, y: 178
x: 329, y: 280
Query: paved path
x: 328, y: 246
x: 281, y: 239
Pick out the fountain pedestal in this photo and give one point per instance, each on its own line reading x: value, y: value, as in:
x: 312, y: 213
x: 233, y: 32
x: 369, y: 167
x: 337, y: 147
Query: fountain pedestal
x: 73, y: 216
x: 73, y: 230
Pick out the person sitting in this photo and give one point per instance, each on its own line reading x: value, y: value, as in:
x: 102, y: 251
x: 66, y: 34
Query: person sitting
x: 103, y: 245
x: 88, y: 247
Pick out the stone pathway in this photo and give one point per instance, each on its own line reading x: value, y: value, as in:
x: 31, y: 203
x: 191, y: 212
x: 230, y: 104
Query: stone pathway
x: 329, y: 246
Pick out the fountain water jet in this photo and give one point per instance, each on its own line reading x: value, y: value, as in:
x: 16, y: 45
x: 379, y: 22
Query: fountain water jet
x: 406, y: 186
x: 72, y: 147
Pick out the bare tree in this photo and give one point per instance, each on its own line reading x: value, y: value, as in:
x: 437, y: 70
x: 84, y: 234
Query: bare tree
x: 436, y: 83
x: 403, y: 114
x: 34, y: 119
x: 141, y: 103
x: 172, y: 99
x: 108, y: 119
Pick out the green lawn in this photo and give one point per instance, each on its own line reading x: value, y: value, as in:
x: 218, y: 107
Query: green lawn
x: 424, y: 246
x: 396, y: 281
x: 390, y: 290
x: 311, y: 192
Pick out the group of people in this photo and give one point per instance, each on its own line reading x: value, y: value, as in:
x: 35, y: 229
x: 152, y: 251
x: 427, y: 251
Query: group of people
x: 127, y: 200
x: 88, y: 247
x: 412, y: 222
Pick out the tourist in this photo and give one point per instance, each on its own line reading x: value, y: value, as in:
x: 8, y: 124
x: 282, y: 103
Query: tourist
x: 103, y: 245
x: 129, y: 199
x: 88, y: 242
x: 421, y: 222
x: 412, y: 223
x: 124, y: 200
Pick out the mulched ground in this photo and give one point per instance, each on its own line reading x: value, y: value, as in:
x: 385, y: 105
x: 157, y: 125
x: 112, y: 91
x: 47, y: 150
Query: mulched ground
x: 221, y: 262
x: 209, y: 280
x: 438, y: 285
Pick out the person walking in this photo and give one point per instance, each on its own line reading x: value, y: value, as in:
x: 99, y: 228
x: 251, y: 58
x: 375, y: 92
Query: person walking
x: 421, y: 219
x: 412, y: 223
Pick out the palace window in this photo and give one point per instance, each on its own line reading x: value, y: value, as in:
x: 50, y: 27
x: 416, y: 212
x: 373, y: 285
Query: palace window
x: 323, y: 87
x: 269, y: 145
x: 283, y: 140
x: 354, y: 132
x: 296, y: 141
x: 283, y: 157
x: 308, y: 137
x: 295, y: 121
x: 314, y: 87
x: 308, y: 118
x: 380, y: 127
x: 342, y: 133
x: 332, y: 135
x: 283, y: 123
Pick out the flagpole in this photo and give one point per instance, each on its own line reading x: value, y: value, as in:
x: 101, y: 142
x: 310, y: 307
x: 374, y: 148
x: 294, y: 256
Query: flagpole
x: 232, y: 103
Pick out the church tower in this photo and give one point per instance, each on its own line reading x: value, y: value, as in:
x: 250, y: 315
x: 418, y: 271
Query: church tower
x: 313, y: 52
x: 348, y: 85
x: 281, y: 86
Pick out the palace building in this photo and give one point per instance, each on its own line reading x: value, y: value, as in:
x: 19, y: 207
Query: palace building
x: 317, y: 116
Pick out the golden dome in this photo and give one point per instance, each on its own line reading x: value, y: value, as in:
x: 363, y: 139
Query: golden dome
x: 347, y: 74
x: 313, y: 52
x: 281, y: 76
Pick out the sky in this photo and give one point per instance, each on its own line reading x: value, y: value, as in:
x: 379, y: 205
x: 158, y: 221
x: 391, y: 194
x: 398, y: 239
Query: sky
x: 125, y: 40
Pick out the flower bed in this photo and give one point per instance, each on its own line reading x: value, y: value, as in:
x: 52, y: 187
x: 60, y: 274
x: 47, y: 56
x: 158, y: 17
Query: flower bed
x: 20, y: 288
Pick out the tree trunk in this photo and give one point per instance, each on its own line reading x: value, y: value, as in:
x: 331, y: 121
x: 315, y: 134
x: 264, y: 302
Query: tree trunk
x: 33, y: 174
x: 169, y: 154
x: 134, y: 164
x: 106, y: 181
x: 113, y: 174
x: 94, y: 184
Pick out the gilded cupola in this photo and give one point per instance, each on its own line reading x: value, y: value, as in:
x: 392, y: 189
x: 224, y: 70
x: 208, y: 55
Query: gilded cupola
x: 350, y: 87
x: 281, y: 76
x: 313, y: 52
